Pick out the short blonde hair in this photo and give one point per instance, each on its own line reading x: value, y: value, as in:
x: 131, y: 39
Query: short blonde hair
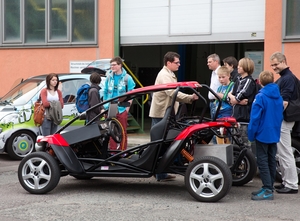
x: 223, y: 70
x: 247, y: 64
x: 266, y: 77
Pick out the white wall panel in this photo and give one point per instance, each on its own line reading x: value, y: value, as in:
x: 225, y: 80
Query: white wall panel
x: 144, y: 18
x: 191, y: 21
x: 185, y: 17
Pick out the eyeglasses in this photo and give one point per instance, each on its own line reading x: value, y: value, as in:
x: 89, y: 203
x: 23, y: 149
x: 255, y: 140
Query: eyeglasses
x: 177, y: 62
x: 275, y: 65
x: 112, y: 65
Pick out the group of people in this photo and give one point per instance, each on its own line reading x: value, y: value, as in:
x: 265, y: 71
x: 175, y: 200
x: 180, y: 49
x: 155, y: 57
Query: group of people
x: 237, y: 90
x: 263, y: 110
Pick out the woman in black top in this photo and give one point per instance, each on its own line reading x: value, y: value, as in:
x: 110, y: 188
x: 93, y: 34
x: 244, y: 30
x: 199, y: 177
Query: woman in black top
x: 244, y: 91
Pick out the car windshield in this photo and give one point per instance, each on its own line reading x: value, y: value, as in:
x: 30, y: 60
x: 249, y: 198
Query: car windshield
x: 21, y: 94
x: 103, y: 64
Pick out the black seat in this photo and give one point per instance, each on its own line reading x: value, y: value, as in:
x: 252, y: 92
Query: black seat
x: 157, y: 132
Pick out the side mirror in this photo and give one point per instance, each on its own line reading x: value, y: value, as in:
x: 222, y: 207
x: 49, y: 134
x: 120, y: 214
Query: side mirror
x: 112, y: 110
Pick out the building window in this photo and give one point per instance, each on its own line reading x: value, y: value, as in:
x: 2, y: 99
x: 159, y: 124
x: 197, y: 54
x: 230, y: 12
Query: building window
x: 34, y: 27
x: 292, y: 17
x: 59, y: 25
x: 83, y: 25
x: 48, y: 22
x: 11, y: 21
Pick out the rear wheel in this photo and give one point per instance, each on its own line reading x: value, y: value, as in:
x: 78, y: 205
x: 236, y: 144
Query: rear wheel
x: 39, y: 173
x: 247, y: 168
x: 208, y: 179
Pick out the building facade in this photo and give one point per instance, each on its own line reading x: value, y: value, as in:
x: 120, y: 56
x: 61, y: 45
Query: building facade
x: 43, y: 36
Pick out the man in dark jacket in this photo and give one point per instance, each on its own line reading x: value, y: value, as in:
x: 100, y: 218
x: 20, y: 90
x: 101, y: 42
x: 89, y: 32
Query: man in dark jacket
x: 287, y: 85
x: 94, y: 97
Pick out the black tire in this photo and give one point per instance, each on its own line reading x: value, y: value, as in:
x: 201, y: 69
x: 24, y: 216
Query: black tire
x: 296, y: 147
x: 20, y: 144
x: 38, y: 180
x: 246, y: 169
x: 208, y: 179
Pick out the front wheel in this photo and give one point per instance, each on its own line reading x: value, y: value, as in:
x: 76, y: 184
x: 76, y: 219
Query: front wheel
x: 208, y: 179
x: 20, y: 144
x: 246, y: 169
x: 38, y: 173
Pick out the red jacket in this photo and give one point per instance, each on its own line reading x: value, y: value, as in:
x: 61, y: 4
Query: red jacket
x: 46, y: 103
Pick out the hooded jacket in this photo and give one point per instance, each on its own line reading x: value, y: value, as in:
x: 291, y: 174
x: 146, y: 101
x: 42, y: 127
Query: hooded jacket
x: 266, y: 115
x: 109, y: 84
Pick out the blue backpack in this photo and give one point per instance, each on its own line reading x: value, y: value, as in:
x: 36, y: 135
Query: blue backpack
x: 82, y: 98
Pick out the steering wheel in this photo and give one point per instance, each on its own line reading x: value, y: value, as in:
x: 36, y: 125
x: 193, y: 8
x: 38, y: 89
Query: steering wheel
x: 115, y: 130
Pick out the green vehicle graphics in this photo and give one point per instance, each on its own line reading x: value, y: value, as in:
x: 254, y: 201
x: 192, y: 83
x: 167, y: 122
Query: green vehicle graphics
x: 17, y: 129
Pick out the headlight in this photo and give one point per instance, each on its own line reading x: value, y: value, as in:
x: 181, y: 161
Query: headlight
x: 39, y: 145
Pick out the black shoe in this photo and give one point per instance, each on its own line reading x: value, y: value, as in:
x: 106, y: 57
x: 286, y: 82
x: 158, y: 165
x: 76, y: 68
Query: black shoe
x: 286, y: 190
x: 280, y: 186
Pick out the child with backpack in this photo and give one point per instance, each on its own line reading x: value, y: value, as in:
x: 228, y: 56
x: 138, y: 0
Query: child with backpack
x: 88, y: 96
x: 223, y: 91
x: 94, y: 97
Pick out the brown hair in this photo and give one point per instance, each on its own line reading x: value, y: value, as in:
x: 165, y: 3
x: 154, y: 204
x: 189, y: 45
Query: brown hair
x: 170, y: 56
x: 231, y: 61
x: 95, y: 78
x: 224, y: 70
x: 49, y: 78
x: 266, y: 77
x: 117, y: 59
x: 247, y: 64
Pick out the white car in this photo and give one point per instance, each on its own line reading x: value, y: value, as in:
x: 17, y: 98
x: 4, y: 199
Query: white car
x: 17, y: 130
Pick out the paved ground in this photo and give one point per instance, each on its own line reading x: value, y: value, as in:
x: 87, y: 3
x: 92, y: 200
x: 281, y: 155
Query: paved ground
x: 133, y: 199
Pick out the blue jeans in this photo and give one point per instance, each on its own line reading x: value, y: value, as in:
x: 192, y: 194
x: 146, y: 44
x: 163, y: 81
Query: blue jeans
x: 48, y: 127
x: 155, y: 121
x: 266, y: 163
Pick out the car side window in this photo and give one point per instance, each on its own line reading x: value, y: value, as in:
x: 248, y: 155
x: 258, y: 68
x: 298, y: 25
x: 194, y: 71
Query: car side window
x: 68, y: 91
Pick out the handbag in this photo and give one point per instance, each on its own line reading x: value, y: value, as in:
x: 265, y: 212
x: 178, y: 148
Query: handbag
x: 38, y: 113
x: 292, y: 111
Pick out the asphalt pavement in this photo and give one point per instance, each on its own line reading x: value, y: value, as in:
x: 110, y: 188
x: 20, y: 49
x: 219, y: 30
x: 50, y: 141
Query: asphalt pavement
x: 144, y: 199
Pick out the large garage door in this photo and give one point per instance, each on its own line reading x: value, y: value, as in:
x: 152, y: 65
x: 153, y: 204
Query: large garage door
x: 191, y: 21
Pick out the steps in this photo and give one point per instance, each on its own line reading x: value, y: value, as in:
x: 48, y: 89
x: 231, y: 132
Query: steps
x: 133, y: 126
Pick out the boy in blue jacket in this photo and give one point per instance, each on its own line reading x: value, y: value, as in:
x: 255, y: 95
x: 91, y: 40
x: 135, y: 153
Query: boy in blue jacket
x: 264, y: 128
